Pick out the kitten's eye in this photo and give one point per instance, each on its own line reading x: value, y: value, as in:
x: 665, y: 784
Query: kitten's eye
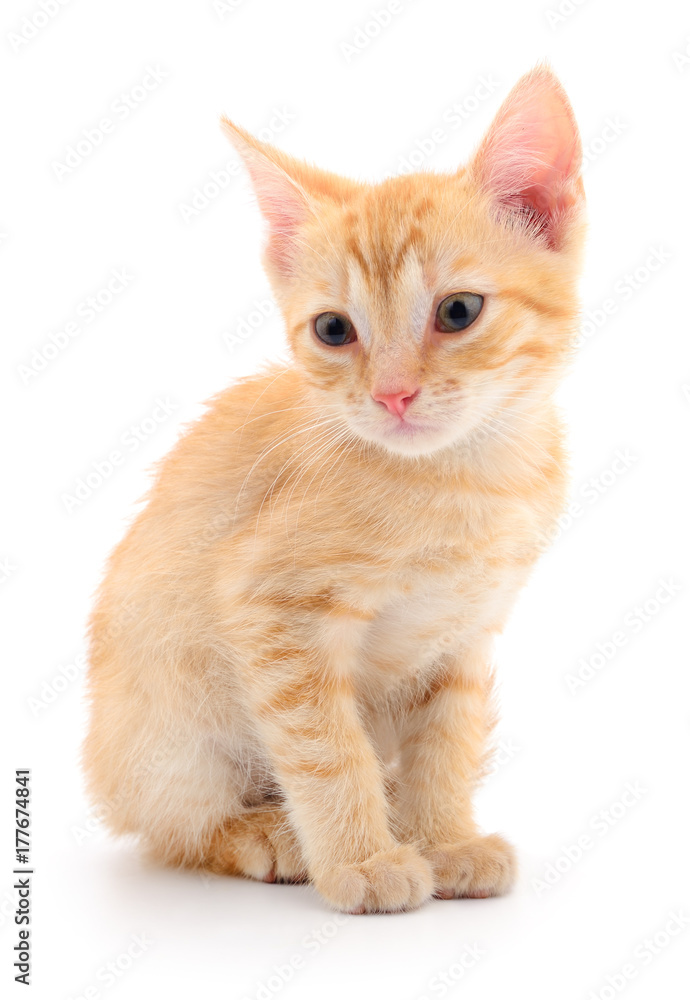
x: 458, y: 311
x: 334, y: 329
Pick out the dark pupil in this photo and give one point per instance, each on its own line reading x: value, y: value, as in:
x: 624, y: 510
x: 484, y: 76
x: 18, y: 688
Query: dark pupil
x: 336, y: 328
x: 457, y: 310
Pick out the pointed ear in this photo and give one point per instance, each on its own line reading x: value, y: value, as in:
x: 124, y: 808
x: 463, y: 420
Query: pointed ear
x: 282, y: 200
x: 530, y: 159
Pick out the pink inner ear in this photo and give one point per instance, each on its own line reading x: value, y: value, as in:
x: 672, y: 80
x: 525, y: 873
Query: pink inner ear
x: 530, y: 158
x: 283, y: 206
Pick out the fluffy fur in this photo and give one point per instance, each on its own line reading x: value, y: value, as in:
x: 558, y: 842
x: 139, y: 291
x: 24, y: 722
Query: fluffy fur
x: 290, y: 669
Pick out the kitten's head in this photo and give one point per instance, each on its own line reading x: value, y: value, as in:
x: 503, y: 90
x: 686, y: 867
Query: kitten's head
x: 430, y: 307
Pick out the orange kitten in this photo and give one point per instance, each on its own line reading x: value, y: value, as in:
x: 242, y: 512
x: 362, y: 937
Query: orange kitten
x: 291, y: 650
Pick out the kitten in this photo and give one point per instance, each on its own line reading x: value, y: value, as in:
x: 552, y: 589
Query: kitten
x: 290, y: 669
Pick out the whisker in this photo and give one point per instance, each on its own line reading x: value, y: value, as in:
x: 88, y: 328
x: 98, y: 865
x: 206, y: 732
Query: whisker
x: 277, y: 444
x: 269, y: 493
x: 346, y: 436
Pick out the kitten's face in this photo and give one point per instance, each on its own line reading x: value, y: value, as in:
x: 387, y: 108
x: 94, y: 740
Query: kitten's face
x: 428, y: 309
x: 420, y: 319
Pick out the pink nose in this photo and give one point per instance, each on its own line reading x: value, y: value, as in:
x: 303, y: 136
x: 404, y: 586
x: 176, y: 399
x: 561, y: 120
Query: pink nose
x: 395, y: 402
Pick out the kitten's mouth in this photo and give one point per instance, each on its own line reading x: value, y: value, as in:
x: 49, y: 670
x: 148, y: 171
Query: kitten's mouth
x: 417, y: 434
x: 406, y: 428
x: 404, y: 435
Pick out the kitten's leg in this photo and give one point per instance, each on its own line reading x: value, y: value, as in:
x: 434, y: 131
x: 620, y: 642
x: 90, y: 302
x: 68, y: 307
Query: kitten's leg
x: 332, y: 781
x: 444, y: 738
x: 260, y: 844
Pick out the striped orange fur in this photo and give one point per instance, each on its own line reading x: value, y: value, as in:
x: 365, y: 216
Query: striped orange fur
x: 290, y: 671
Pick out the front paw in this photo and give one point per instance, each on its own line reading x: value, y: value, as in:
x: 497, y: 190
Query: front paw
x: 388, y: 881
x: 473, y: 868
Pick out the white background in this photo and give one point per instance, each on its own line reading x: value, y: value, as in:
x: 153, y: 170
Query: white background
x: 170, y: 334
